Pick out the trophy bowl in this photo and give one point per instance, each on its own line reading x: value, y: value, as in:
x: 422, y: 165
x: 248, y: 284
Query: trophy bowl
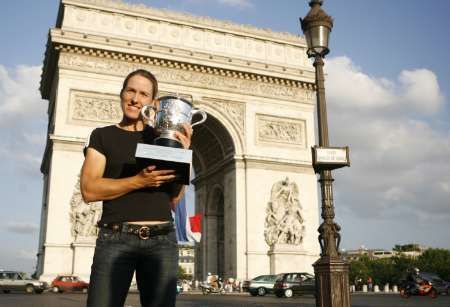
x: 169, y: 116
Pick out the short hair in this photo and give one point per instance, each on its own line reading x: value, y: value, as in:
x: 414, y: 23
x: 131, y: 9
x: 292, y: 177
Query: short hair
x: 144, y: 73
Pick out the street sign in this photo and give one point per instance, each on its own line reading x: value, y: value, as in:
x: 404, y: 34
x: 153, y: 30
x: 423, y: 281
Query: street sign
x: 329, y: 158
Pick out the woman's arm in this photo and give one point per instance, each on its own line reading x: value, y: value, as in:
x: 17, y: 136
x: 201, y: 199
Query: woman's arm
x: 94, y: 187
x: 176, y: 195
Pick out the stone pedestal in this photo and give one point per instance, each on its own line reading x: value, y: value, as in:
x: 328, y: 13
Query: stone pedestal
x: 288, y: 258
x: 83, y: 253
x: 332, y: 283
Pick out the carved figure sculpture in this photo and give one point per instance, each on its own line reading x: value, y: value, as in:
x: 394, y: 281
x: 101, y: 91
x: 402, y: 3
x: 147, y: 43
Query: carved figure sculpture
x: 83, y: 216
x: 329, y: 239
x: 284, y: 221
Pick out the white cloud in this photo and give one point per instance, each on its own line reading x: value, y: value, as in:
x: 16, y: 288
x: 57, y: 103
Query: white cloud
x: 23, y: 125
x: 21, y: 227
x: 400, y: 159
x: 240, y: 4
x: 237, y: 3
x: 414, y: 90
x: 27, y: 255
x: 19, y: 94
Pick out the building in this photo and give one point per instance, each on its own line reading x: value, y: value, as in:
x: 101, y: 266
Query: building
x: 186, y: 259
x: 255, y: 186
x: 373, y: 254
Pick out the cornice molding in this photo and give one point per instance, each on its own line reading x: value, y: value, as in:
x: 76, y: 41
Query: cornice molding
x: 197, y: 75
x: 140, y: 10
x: 304, y: 73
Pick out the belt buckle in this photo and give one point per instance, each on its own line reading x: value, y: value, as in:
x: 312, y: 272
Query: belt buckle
x: 144, y: 232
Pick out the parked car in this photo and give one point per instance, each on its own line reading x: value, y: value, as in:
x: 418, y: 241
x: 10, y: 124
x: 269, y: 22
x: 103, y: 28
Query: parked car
x: 179, y: 288
x: 18, y: 281
x: 63, y: 283
x: 288, y: 284
x: 261, y: 285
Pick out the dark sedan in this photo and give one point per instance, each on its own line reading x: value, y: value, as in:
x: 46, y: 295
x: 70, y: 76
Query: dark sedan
x: 438, y: 283
x: 288, y: 284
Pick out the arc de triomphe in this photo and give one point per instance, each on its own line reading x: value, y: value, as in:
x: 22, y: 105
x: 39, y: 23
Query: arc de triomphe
x: 255, y: 184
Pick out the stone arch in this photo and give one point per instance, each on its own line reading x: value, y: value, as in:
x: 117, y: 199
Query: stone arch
x: 230, y: 114
x: 260, y: 103
x: 212, y: 145
x: 215, y: 231
x: 214, y: 151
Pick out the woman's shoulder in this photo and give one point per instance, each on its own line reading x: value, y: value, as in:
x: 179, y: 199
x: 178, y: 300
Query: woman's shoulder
x: 105, y: 129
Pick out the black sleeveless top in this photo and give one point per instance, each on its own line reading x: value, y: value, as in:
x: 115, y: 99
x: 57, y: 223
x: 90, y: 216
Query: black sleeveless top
x: 119, y: 148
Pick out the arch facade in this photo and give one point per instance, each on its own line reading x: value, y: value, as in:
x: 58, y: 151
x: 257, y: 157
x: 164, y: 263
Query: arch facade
x: 257, y: 88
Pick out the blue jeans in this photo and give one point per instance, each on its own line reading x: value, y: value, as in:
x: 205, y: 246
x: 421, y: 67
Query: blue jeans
x: 118, y: 255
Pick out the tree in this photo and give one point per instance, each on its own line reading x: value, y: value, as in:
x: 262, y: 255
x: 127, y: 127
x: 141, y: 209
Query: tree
x: 435, y: 260
x: 181, y: 274
x: 359, y: 271
x: 407, y: 248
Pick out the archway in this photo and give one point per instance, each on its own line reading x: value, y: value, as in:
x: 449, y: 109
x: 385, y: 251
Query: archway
x: 213, y: 159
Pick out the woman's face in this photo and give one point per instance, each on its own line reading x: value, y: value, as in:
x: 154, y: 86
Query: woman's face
x: 136, y: 94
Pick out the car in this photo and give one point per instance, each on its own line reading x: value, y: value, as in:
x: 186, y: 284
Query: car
x: 261, y: 285
x: 179, y: 288
x: 288, y: 284
x: 63, y: 283
x: 438, y: 283
x: 19, y: 281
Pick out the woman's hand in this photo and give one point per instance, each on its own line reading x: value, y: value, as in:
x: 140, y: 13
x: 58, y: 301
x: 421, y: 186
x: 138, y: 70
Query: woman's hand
x: 185, y: 138
x: 151, y: 178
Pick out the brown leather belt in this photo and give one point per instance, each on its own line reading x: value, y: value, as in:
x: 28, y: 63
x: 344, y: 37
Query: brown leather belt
x: 144, y: 232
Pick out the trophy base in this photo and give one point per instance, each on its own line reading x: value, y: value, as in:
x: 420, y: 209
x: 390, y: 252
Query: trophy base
x: 166, y: 158
x: 167, y: 143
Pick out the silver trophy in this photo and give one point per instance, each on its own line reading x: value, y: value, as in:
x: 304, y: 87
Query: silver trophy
x: 168, y: 117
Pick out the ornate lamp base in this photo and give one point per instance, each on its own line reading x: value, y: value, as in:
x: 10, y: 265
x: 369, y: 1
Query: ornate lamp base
x: 332, y: 282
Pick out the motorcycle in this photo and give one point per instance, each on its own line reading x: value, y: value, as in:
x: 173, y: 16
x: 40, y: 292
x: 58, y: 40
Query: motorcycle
x: 424, y: 288
x: 207, y: 288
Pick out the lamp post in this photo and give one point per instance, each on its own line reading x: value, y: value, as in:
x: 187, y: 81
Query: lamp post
x: 330, y: 270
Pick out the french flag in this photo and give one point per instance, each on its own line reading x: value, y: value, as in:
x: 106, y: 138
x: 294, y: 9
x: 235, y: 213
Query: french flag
x: 188, y: 229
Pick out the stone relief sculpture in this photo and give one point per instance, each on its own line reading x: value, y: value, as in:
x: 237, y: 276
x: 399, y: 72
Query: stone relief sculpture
x: 284, y: 221
x: 271, y: 129
x: 83, y: 216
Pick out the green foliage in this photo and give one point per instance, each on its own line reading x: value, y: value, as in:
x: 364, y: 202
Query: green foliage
x: 181, y: 274
x: 435, y: 260
x: 407, y: 248
x: 393, y: 270
x: 359, y: 269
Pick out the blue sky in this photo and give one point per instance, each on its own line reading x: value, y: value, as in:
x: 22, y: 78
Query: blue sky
x: 388, y: 93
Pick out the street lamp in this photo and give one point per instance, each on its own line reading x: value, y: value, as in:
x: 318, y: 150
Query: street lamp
x: 330, y: 270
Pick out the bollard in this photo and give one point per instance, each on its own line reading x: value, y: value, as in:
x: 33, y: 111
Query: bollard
x: 394, y: 288
x: 376, y: 288
x: 386, y: 288
x: 352, y: 288
x: 364, y: 288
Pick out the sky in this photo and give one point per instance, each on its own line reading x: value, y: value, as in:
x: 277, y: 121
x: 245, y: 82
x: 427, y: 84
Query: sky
x: 387, y: 89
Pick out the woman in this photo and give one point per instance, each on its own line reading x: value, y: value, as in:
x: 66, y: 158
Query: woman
x: 136, y: 230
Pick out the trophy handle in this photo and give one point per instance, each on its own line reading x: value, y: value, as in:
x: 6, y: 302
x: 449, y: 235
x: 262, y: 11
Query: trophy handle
x: 150, y: 116
x: 197, y: 111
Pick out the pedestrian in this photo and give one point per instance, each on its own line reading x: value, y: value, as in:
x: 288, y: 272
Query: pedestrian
x: 369, y: 283
x: 136, y: 228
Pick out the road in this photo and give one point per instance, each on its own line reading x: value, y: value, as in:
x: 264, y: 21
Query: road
x: 188, y: 300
